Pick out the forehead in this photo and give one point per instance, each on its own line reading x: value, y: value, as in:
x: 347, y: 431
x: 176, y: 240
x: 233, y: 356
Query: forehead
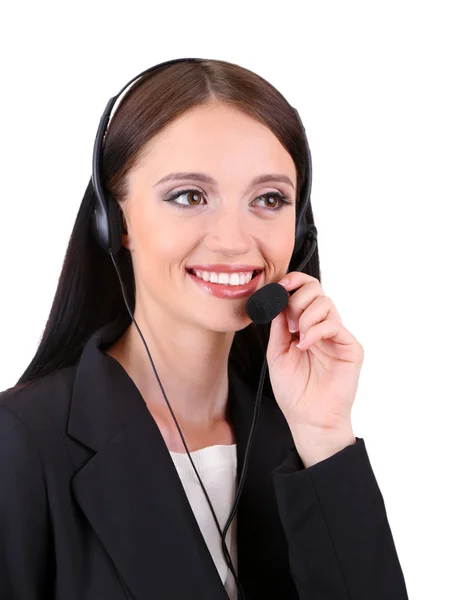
x: 216, y: 138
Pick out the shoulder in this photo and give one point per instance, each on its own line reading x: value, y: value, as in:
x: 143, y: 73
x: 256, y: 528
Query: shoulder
x: 24, y: 522
x: 42, y: 404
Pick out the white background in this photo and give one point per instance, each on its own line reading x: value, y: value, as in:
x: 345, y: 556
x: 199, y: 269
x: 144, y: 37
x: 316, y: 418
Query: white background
x: 375, y: 85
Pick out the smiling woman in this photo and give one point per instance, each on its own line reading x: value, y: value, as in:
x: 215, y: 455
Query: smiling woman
x: 205, y: 169
x: 231, y: 135
x: 231, y: 219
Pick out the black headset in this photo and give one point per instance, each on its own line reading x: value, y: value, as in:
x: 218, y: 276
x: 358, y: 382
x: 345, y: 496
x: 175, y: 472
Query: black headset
x: 106, y: 227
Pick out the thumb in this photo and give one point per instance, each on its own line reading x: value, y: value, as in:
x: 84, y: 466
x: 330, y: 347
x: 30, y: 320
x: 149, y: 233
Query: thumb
x: 280, y: 336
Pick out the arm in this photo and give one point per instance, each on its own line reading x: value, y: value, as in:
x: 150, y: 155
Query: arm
x: 23, y: 514
x: 335, y: 521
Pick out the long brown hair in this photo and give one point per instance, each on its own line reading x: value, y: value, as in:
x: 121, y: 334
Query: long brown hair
x: 88, y: 293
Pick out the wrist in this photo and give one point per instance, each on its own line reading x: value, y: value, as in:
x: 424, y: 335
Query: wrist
x: 315, y: 446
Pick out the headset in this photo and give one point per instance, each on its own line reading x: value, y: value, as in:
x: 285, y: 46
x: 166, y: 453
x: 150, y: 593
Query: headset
x: 106, y: 227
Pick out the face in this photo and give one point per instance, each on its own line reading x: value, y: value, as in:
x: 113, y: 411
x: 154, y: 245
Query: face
x: 224, y: 223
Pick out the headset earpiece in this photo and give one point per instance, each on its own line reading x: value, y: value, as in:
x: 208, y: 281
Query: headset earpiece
x: 115, y: 224
x: 107, y: 225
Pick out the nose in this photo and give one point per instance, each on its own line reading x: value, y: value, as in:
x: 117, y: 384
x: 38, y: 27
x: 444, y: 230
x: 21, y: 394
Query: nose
x: 228, y: 231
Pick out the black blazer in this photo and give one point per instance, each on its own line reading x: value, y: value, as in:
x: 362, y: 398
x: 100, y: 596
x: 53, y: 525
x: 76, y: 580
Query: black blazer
x: 92, y: 508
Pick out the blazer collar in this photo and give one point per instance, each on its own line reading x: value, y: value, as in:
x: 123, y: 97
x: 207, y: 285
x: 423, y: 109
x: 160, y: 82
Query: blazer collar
x: 132, y: 496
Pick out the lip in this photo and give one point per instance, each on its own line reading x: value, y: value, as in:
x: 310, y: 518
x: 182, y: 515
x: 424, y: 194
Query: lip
x: 220, y: 268
x: 228, y: 291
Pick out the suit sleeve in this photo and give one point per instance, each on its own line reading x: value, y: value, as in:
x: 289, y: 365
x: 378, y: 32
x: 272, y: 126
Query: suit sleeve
x: 23, y: 514
x: 339, y: 539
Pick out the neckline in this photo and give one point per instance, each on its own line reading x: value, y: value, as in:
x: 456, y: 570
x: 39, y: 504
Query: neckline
x: 215, y: 447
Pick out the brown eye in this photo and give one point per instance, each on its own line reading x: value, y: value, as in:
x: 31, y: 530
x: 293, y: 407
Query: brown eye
x: 193, y: 197
x: 271, y: 200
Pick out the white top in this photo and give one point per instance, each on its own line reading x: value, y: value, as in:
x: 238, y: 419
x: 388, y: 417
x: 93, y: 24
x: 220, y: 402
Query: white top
x: 216, y: 466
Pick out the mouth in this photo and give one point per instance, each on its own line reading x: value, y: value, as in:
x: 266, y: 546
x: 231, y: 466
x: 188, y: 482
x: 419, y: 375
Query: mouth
x: 236, y: 287
x: 240, y: 280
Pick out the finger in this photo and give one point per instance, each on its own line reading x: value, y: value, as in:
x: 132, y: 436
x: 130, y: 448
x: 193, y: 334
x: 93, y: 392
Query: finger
x: 308, y: 289
x: 316, y: 312
x: 321, y: 308
x: 295, y: 279
x: 329, y: 330
x: 300, y: 302
x: 279, y: 339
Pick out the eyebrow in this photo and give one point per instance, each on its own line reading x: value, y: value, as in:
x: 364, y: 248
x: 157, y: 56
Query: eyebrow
x: 208, y: 179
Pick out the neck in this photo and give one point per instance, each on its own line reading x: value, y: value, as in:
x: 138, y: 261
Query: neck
x: 191, y: 364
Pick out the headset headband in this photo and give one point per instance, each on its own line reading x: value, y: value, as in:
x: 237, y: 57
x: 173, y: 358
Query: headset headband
x: 102, y: 219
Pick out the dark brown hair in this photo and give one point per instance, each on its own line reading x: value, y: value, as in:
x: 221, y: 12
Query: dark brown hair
x: 88, y: 292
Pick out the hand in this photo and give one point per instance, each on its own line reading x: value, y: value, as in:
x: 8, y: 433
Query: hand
x: 314, y: 386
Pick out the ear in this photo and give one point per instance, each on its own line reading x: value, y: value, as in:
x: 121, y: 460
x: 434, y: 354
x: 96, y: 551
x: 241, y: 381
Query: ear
x: 125, y: 237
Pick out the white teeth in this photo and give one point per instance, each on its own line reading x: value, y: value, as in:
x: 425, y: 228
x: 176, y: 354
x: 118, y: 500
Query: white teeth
x: 225, y: 278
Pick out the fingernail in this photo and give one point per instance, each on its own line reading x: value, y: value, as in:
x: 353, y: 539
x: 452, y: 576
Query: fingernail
x: 293, y: 326
x: 301, y: 341
x: 284, y: 282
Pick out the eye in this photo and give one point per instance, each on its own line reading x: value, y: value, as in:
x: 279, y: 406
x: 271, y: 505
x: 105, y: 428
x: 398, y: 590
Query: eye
x: 192, y: 196
x: 280, y: 200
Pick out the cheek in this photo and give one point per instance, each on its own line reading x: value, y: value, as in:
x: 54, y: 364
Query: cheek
x: 281, y: 245
x: 164, y: 243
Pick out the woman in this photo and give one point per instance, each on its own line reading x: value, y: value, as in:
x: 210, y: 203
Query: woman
x: 206, y: 164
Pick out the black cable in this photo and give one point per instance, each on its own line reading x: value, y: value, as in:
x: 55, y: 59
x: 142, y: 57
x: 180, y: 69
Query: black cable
x: 255, y: 418
x: 256, y: 414
x: 222, y: 535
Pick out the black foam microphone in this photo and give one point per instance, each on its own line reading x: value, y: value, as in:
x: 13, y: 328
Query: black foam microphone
x: 266, y: 303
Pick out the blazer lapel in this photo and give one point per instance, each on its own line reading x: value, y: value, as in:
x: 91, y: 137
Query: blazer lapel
x: 130, y: 491
x: 133, y: 497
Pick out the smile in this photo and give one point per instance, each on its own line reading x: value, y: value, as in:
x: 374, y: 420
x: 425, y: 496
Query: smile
x: 225, y: 278
x: 226, y: 285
